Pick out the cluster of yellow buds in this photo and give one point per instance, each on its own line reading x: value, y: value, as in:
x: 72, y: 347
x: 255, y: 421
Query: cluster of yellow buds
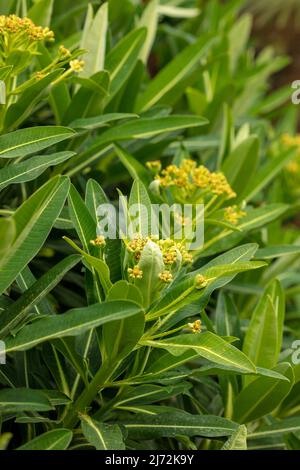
x: 77, y: 65
x: 15, y: 26
x: 154, y: 166
x: 200, y: 281
x: 166, y: 277
x: 99, y: 241
x: 174, y: 176
x: 135, y: 272
x: 291, y: 141
x: 170, y: 250
x: 191, y: 177
x: 232, y: 214
x: 64, y: 52
x: 196, y: 326
x: 293, y: 166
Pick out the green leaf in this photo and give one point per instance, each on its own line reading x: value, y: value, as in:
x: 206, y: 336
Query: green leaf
x: 57, y: 439
x: 238, y: 37
x: 72, y: 323
x: 169, y: 77
x: 30, y: 97
x: 23, y: 142
x: 254, y: 219
x: 94, y: 197
x: 121, y: 60
x: 267, y: 173
x: 40, y: 13
x: 83, y: 222
x: 120, y: 337
x: 149, y: 19
x: 207, y: 345
x: 94, y: 40
x: 277, y: 251
x: 144, y: 128
x: 150, y: 394
x: 178, y: 424
x: 142, y: 216
x: 184, y: 291
x: 101, y: 435
x: 30, y: 169
x: 262, y: 395
x: 97, y: 122
x: 133, y: 166
x: 238, y: 440
x: 95, y: 265
x: 263, y: 337
x: 33, y: 220
x: 241, y: 165
x: 23, y: 399
x: 276, y: 429
x: 8, y: 233
x: 17, y: 312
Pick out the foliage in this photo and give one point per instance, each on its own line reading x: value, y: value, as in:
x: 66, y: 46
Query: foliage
x: 141, y: 342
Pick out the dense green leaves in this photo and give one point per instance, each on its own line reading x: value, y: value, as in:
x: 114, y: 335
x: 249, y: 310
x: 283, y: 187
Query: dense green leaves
x: 133, y: 340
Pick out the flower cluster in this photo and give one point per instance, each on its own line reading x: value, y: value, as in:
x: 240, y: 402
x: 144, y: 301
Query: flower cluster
x: 173, y: 254
x: 99, y: 241
x: 24, y: 28
x: 232, y: 214
x: 190, y: 177
x: 196, y: 326
x: 172, y: 251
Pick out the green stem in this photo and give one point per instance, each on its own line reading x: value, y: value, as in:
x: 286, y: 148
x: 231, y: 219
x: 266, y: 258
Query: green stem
x: 89, y: 394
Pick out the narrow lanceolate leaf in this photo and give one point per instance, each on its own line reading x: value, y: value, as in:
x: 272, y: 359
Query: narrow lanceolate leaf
x: 94, y: 41
x: 276, y: 429
x: 120, y: 337
x: 94, y: 198
x: 23, y: 399
x: 31, y: 169
x: 173, y: 73
x: 121, y: 60
x: 83, y: 222
x: 95, y: 265
x: 145, y: 128
x: 207, y: 345
x: 263, y: 338
x: 72, y: 323
x: 277, y: 251
x: 26, y: 141
x: 101, y: 435
x: 149, y: 19
x: 97, y: 122
x: 15, y: 314
x: 57, y: 439
x: 141, y: 210
x: 184, y: 292
x: 33, y: 221
x: 178, y: 424
x: 238, y: 440
x: 263, y: 395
